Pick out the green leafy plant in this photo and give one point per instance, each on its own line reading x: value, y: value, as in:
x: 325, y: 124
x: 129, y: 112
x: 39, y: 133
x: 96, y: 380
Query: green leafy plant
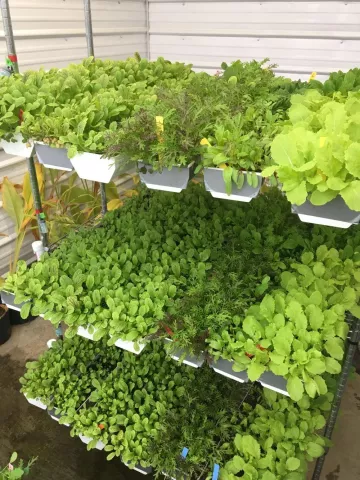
x: 12, y: 472
x: 316, y: 157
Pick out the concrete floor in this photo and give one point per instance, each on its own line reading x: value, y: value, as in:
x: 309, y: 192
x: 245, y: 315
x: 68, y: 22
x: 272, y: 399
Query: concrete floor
x: 31, y: 431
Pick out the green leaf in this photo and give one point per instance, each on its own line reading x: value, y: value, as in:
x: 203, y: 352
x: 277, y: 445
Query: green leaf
x: 13, y: 457
x: 298, y: 195
x: 316, y: 366
x: 314, y: 449
x: 25, y: 310
x: 335, y: 348
x: 332, y: 366
x: 295, y: 388
x: 99, y: 333
x: 255, y: 371
x: 351, y: 195
x: 227, y: 176
x: 321, y: 198
x: 292, y: 463
x: 352, y: 156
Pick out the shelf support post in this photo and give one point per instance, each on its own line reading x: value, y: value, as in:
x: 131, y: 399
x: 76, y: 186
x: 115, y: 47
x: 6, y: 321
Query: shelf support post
x: 11, y: 61
x: 353, y: 342
x: 91, y: 53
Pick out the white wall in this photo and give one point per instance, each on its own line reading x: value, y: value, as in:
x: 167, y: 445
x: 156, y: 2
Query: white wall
x: 51, y: 33
x: 301, y: 37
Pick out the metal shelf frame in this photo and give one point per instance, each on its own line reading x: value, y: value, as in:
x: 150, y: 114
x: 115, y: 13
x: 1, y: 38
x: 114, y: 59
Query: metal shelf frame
x: 12, y: 62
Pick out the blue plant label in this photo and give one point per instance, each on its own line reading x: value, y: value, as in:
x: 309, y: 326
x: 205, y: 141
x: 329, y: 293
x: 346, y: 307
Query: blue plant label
x: 184, y: 452
x: 215, y: 472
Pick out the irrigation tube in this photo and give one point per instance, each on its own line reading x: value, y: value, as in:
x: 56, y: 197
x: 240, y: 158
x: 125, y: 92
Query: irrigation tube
x: 9, y: 35
x: 346, y: 368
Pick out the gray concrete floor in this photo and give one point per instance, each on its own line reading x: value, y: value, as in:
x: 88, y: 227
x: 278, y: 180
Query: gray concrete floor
x: 28, y: 341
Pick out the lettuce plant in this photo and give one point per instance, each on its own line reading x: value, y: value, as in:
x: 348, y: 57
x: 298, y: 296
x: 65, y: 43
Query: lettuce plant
x: 316, y: 156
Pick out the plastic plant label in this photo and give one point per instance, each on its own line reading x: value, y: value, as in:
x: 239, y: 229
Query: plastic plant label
x: 215, y: 472
x: 312, y: 76
x: 204, y: 141
x: 184, y: 452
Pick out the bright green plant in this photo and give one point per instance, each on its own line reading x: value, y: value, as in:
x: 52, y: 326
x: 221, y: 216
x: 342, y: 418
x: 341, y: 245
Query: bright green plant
x: 13, y: 472
x: 316, y: 157
x: 241, y: 146
x: 297, y: 331
x: 278, y: 438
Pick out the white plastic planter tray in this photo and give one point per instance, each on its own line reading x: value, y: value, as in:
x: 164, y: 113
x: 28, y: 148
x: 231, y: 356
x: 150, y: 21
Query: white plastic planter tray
x: 224, y: 367
x: 333, y: 214
x: 124, y: 344
x: 214, y: 183
x: 188, y: 359
x: 130, y: 346
x: 8, y: 299
x: 90, y: 166
x: 18, y: 147
x: 50, y: 157
x: 99, y: 446
x: 274, y: 382
x: 174, y: 180
x: 56, y: 418
x: 140, y: 469
x: 36, y: 402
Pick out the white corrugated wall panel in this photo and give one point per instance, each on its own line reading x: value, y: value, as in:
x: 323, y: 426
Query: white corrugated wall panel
x: 300, y: 37
x: 51, y: 33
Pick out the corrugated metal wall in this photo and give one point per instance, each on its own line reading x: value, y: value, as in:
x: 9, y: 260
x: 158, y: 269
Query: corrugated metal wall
x: 52, y: 33
x: 300, y: 37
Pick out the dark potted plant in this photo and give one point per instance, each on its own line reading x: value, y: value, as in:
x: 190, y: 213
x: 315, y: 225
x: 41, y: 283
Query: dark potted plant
x: 5, y: 325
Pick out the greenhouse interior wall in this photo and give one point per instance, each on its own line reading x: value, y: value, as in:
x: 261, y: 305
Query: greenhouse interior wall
x: 299, y: 37
x: 51, y: 33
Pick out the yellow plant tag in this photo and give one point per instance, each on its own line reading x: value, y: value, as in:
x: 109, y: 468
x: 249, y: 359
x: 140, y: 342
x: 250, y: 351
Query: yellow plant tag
x: 322, y: 141
x: 204, y: 141
x: 312, y: 76
x: 159, y: 125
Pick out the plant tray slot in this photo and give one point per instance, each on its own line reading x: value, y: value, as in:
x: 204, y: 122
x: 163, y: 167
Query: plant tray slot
x: 174, y: 180
x: 130, y: 346
x: 333, y: 214
x: 36, y: 402
x: 224, y: 367
x: 55, y: 158
x: 99, y: 446
x: 90, y: 166
x: 9, y: 300
x: 18, y: 147
x: 214, y: 183
x: 274, y: 382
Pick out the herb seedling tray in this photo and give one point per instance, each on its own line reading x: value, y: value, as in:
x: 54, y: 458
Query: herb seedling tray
x: 8, y: 299
x: 181, y: 355
x: 214, y: 183
x: 224, y: 367
x: 18, y: 147
x: 123, y: 344
x: 174, y: 180
x: 90, y: 166
x: 333, y: 214
x: 55, y: 158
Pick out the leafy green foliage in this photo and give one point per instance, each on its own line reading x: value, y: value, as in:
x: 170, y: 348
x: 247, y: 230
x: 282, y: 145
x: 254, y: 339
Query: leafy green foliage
x: 316, y: 156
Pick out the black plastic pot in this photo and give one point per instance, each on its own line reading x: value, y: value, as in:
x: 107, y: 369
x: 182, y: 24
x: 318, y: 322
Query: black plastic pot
x: 15, y: 318
x: 5, y: 326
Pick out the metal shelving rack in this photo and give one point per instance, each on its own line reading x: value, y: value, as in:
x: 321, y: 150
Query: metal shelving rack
x: 354, y: 335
